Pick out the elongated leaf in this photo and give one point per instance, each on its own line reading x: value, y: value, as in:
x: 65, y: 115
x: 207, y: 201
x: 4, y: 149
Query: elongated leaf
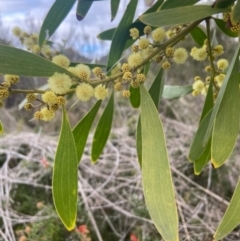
x: 223, y: 3
x: 82, y: 129
x: 82, y: 9
x: 226, y: 123
x: 55, y: 16
x: 175, y: 91
x: 198, y: 35
x: 231, y: 217
x: 222, y: 26
x: 202, y: 161
x: 20, y: 62
x: 134, y: 97
x: 223, y: 94
x: 236, y: 12
x: 177, y: 3
x: 65, y: 176
x: 179, y: 15
x: 121, y: 34
x: 1, y: 128
x: 197, y: 148
x: 103, y: 130
x: 155, y: 92
x: 156, y: 174
x: 108, y: 34
x: 114, y: 8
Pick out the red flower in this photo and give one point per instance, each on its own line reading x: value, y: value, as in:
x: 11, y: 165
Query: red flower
x: 133, y: 237
x: 83, y: 229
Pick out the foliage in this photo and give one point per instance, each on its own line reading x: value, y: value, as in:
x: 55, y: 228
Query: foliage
x: 219, y: 123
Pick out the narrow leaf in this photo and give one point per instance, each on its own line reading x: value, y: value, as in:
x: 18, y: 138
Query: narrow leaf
x: 179, y: 15
x: 226, y: 123
x: 103, y: 130
x: 65, y: 176
x: 1, y: 128
x: 134, y: 97
x: 121, y: 35
x: 20, y: 62
x: 108, y: 34
x: 90, y: 65
x: 198, y: 35
x: 175, y: 91
x: 155, y: 92
x: 55, y: 16
x: 224, y: 93
x: 231, y: 217
x: 197, y: 148
x: 114, y: 8
x: 224, y: 28
x: 236, y: 12
x: 156, y: 174
x: 82, y: 9
x: 83, y: 127
x: 176, y: 3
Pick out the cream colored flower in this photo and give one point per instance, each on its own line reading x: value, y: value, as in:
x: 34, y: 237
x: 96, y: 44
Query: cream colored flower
x: 222, y: 64
x: 100, y: 92
x: 49, y: 98
x: 135, y: 59
x: 180, y: 55
x: 83, y: 71
x: 134, y: 33
x: 143, y: 43
x: 17, y: 32
x: 47, y: 115
x: 84, y: 91
x: 198, y: 85
x: 158, y: 35
x: 11, y: 79
x: 59, y: 83
x: 61, y: 60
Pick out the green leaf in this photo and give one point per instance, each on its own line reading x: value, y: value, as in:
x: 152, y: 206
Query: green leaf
x: 108, y: 34
x: 156, y: 174
x: 156, y: 88
x: 82, y: 9
x: 103, y: 130
x: 231, y: 217
x: 1, y: 128
x: 223, y: 3
x: 155, y: 92
x: 20, y: 62
x: 121, y: 35
x: 226, y: 123
x: 146, y: 68
x: 83, y: 127
x: 176, y: 3
x: 198, y: 35
x: 236, y: 13
x: 55, y: 16
x: 90, y: 65
x: 114, y: 8
x: 224, y: 94
x: 179, y: 15
x: 175, y: 91
x: 223, y: 27
x: 197, y: 147
x: 134, y: 97
x: 202, y: 161
x: 65, y: 176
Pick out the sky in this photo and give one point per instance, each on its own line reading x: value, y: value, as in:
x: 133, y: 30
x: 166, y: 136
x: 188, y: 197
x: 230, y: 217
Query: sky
x: 29, y: 13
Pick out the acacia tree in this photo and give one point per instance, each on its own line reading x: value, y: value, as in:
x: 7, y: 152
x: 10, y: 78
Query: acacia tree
x: 154, y: 37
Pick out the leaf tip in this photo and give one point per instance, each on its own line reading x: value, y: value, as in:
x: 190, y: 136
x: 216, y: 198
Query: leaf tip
x: 79, y: 17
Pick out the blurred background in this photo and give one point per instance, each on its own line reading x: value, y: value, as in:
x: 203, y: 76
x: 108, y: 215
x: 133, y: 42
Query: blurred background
x: 111, y: 203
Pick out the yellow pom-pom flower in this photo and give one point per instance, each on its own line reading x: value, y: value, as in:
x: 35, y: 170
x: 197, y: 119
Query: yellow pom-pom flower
x: 38, y: 115
x: 166, y: 65
x: 147, y: 30
x: 127, y: 76
x: 158, y: 35
x: 83, y: 71
x: 134, y: 33
x: 31, y: 97
x: 135, y: 60
x: 198, y: 85
x: 180, y: 55
x: 97, y: 71
x: 219, y: 79
x: 218, y: 50
x: 140, y: 78
x: 126, y: 93
x: 61, y: 60
x: 100, y: 92
x: 118, y: 86
x: 84, y: 91
x: 199, y: 54
x: 47, y: 115
x: 143, y: 43
x: 49, y: 98
x: 59, y: 83
x: 11, y: 79
x: 17, y: 32
x: 222, y: 64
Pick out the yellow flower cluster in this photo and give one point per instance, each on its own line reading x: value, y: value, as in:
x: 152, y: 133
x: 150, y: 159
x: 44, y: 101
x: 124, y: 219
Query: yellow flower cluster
x: 59, y: 83
x: 199, y: 54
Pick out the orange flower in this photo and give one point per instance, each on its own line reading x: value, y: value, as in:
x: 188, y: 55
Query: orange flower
x: 133, y: 237
x: 83, y: 229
